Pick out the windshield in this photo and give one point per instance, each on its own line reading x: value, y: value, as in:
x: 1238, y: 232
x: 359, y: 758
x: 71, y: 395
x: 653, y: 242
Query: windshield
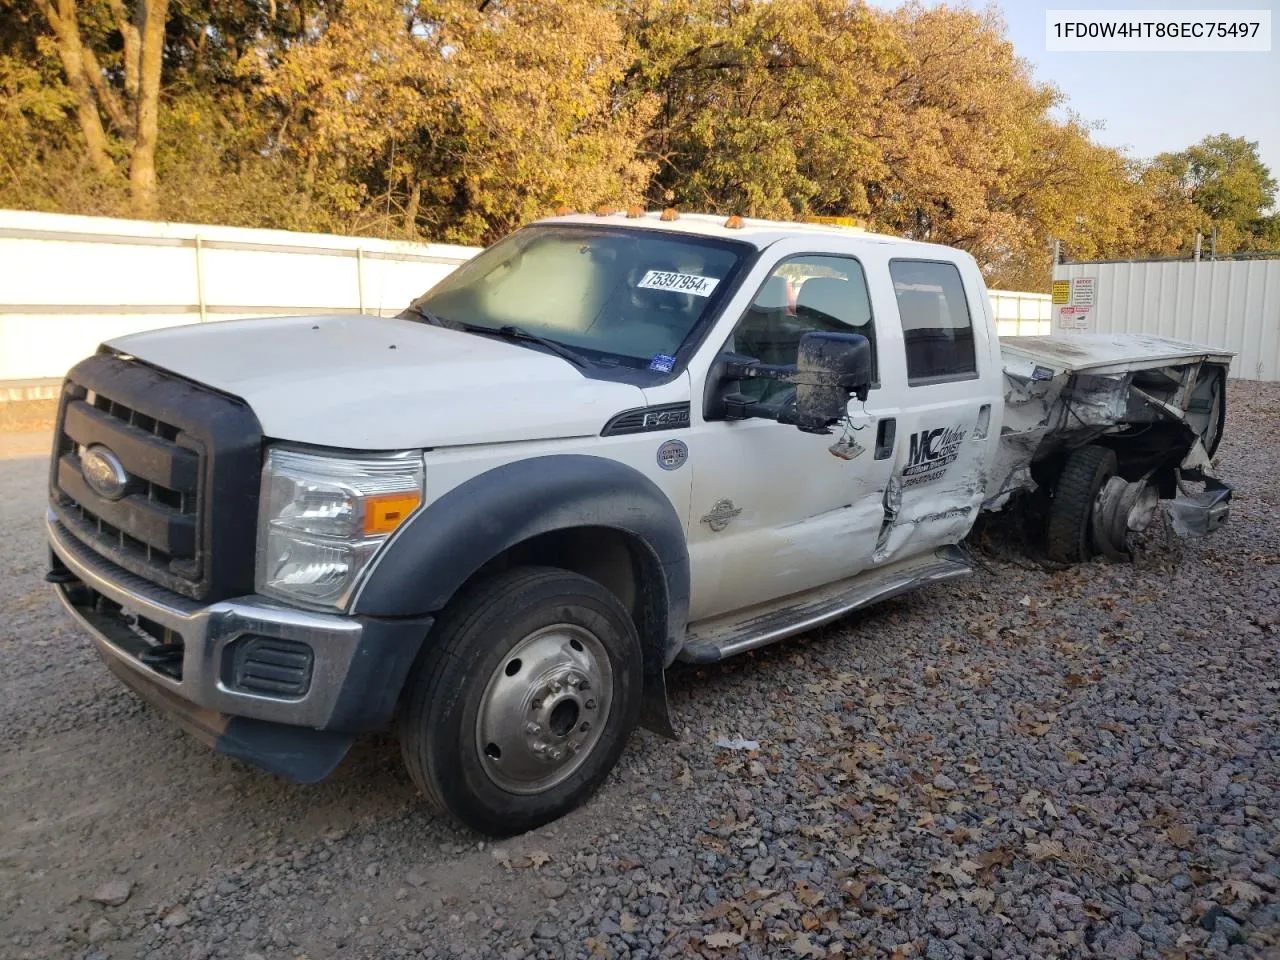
x: 617, y: 296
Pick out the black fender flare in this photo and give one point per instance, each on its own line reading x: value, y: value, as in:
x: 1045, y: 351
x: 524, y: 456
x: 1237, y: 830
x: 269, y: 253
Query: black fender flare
x: 443, y: 546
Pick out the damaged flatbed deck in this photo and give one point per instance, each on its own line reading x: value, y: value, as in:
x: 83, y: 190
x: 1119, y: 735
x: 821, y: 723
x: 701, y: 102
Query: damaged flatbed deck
x: 1100, y: 354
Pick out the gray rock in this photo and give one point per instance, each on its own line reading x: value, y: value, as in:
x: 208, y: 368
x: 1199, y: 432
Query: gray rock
x: 943, y: 782
x: 1127, y: 946
x: 554, y: 889
x: 101, y: 929
x: 1209, y: 920
x: 1230, y: 929
x: 113, y: 892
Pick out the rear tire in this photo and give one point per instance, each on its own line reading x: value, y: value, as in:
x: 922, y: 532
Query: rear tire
x: 522, y: 700
x: 1085, y: 472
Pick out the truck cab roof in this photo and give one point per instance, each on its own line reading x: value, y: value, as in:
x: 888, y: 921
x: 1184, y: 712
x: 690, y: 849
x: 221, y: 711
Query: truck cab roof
x: 758, y: 233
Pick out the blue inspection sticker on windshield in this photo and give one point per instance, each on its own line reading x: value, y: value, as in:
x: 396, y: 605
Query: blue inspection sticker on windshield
x: 661, y: 363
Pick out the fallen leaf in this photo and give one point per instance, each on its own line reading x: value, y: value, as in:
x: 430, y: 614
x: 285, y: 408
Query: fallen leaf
x: 628, y: 923
x: 997, y: 857
x: 884, y: 794
x: 853, y: 889
x: 804, y: 947
x: 1180, y: 836
x: 979, y: 897
x: 722, y: 940
x: 1046, y: 850
x: 809, y: 896
x: 1243, y: 890
x: 721, y: 909
x: 539, y: 858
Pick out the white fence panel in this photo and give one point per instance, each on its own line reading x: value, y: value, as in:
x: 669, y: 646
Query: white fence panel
x: 1233, y: 304
x: 68, y: 283
x: 1020, y: 314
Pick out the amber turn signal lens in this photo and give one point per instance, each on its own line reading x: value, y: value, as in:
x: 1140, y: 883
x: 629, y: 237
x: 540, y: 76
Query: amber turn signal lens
x: 386, y: 511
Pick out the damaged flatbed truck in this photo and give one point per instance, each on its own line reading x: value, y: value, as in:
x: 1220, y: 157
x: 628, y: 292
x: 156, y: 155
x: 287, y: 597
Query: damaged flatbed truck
x: 604, y: 444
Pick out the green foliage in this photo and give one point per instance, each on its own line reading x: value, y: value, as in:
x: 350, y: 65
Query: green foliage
x: 461, y: 120
x: 1230, y: 187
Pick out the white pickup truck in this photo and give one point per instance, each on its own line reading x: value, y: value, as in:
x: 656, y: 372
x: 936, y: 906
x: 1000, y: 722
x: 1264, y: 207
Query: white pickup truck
x: 604, y: 444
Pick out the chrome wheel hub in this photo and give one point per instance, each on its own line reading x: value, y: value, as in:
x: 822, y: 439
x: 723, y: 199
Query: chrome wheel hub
x: 544, y: 708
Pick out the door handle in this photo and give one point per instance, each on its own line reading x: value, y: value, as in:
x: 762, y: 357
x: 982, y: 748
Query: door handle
x: 886, y: 434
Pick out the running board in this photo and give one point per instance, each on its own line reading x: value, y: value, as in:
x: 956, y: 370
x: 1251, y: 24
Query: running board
x: 713, y: 640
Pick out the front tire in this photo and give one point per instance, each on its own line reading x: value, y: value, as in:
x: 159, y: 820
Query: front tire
x: 522, y: 700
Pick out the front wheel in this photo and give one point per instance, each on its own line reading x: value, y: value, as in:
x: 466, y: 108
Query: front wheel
x: 523, y: 699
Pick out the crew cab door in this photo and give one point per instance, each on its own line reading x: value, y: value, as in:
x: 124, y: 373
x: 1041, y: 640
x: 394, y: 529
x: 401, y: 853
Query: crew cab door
x: 774, y: 511
x: 951, y: 407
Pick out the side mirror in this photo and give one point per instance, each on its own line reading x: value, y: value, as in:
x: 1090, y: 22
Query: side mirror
x: 829, y: 367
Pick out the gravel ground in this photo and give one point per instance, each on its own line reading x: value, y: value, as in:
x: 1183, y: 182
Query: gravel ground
x: 1023, y: 763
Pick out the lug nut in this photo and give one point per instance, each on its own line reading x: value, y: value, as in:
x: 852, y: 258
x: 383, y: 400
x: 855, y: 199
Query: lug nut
x: 585, y: 727
x: 532, y: 728
x: 590, y: 704
x: 536, y: 705
x: 555, y: 754
x: 539, y: 747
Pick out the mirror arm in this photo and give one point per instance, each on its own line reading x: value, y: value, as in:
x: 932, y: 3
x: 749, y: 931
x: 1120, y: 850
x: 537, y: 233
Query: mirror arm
x: 746, y: 369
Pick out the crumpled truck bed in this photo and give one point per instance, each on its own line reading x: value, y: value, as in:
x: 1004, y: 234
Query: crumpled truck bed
x: 1061, y: 392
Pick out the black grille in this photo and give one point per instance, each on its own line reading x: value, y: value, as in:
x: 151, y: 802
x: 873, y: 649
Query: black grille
x: 185, y: 518
x: 266, y: 665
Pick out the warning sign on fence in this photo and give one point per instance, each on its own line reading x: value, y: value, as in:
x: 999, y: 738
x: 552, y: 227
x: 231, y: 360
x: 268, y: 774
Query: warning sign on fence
x: 1082, y: 289
x: 1061, y: 291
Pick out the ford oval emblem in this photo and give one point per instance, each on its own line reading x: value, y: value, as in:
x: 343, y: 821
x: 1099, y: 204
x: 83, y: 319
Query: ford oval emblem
x: 104, y: 473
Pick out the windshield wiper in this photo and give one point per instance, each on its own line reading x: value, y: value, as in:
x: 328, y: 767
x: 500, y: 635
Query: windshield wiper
x: 413, y: 310
x: 510, y: 331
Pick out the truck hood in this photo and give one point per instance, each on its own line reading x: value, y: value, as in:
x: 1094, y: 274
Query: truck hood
x: 373, y: 383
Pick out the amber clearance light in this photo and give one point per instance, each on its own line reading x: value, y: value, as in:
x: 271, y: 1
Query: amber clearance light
x: 384, y: 512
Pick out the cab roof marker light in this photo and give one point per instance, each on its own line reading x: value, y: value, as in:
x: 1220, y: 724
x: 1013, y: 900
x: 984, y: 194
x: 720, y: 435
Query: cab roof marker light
x: 634, y: 212
x: 604, y: 210
x: 669, y: 214
x: 735, y: 222
x: 563, y: 210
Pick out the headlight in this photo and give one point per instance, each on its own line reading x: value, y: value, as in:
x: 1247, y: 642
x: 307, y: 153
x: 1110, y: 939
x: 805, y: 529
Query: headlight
x: 323, y: 518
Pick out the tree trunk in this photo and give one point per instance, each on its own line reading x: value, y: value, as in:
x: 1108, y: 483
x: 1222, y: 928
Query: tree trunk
x: 152, y: 15
x: 71, y: 53
x: 411, y: 210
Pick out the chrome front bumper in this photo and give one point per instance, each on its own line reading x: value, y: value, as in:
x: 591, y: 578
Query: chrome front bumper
x: 358, y: 665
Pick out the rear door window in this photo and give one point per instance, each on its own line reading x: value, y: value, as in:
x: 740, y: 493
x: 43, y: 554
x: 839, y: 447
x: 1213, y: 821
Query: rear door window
x: 936, y: 325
